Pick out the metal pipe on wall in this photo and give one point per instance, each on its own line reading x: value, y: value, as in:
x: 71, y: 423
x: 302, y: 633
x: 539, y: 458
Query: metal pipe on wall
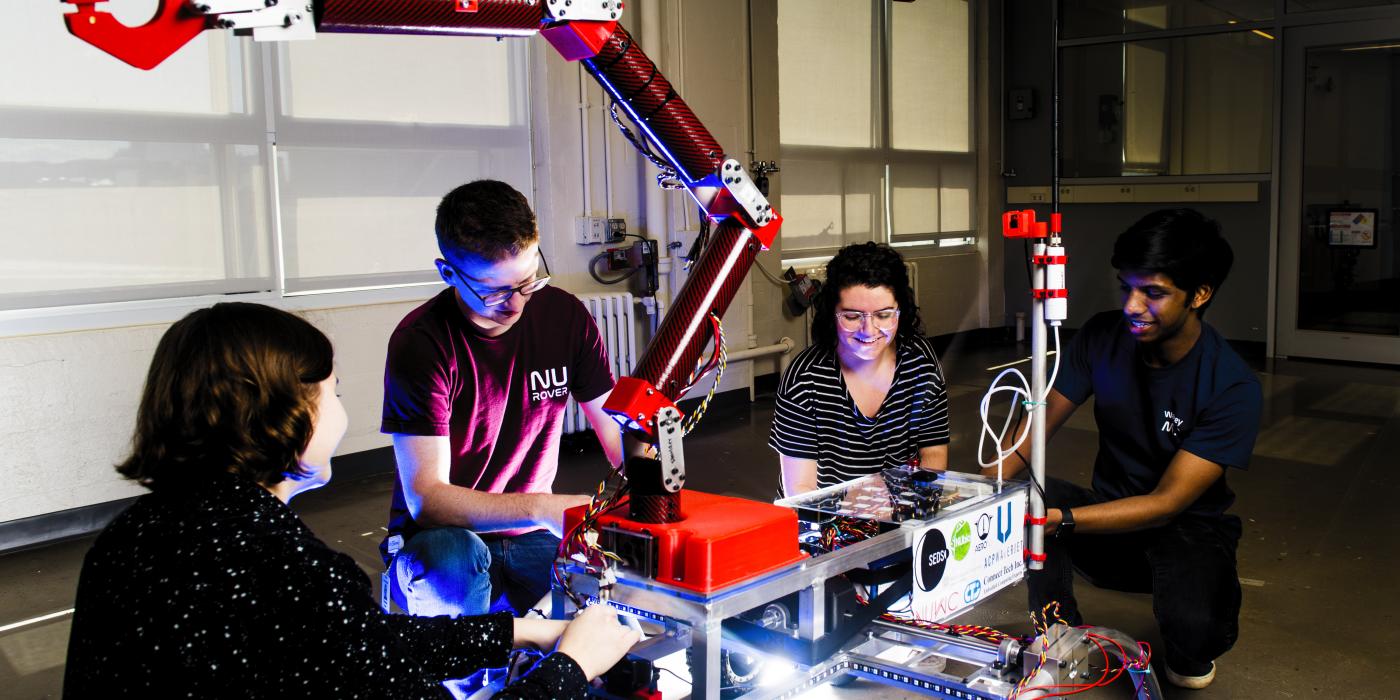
x: 782, y: 347
x: 655, y: 206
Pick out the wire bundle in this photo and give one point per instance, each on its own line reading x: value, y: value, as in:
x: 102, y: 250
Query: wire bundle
x: 1137, y: 665
x: 666, y: 179
x: 1021, y: 389
x: 842, y: 531
x: 986, y: 634
x: 1041, y: 623
x: 580, y: 544
x: 719, y: 359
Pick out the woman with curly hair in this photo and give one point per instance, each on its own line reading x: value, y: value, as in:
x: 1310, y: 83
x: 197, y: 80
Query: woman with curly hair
x: 869, y: 393
x: 211, y: 586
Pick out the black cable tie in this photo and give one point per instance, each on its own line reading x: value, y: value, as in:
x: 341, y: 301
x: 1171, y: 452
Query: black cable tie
x: 650, y: 79
x: 624, y: 46
x: 670, y: 94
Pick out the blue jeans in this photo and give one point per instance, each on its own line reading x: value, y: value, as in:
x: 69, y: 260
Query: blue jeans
x: 1188, y: 565
x: 453, y: 571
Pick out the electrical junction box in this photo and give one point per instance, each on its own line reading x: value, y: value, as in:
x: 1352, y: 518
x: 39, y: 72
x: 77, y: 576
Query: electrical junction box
x: 619, y: 259
x: 598, y: 229
x: 1020, y: 103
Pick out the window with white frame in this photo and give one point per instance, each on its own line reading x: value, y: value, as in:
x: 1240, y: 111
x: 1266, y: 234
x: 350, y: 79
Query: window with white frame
x: 875, y: 120
x: 236, y: 167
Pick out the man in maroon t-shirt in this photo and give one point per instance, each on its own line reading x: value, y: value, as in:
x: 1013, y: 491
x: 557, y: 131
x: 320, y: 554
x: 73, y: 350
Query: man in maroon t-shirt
x: 475, y: 387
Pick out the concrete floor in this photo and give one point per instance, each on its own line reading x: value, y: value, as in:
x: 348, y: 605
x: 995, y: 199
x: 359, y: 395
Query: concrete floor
x: 1318, y: 562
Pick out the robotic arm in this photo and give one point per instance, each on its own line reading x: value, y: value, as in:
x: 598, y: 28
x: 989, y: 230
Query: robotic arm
x: 580, y: 30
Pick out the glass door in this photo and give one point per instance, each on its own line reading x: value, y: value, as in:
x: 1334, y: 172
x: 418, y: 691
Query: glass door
x: 1339, y: 261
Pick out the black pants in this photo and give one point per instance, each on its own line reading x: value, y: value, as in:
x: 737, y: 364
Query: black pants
x: 1187, y: 565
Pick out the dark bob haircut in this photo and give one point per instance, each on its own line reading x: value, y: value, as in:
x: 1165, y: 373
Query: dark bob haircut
x: 486, y: 218
x: 865, y: 265
x: 1181, y: 244
x: 231, y: 389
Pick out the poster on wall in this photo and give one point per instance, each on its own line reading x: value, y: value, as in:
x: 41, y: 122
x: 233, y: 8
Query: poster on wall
x: 1351, y: 228
x: 960, y: 561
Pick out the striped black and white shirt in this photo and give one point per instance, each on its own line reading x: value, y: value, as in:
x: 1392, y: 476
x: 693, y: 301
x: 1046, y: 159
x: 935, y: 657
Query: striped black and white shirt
x: 816, y: 418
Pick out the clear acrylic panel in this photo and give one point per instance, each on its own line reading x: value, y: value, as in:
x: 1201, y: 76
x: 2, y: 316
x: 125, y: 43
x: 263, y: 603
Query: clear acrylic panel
x: 84, y: 221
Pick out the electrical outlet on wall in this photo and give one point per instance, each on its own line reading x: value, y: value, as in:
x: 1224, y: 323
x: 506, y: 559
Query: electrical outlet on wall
x: 590, y: 229
x: 616, y: 230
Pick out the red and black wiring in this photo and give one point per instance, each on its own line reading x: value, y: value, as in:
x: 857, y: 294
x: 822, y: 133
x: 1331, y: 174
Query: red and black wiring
x: 576, y: 546
x: 1136, y: 665
x: 843, y: 531
x: 906, y: 618
x: 986, y: 634
x: 580, y: 544
x: 719, y: 360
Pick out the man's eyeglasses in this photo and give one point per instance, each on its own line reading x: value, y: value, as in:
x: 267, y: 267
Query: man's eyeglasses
x: 501, y: 296
x: 884, y: 319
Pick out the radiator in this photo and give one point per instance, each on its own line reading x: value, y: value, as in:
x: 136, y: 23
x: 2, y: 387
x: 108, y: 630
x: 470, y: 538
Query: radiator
x: 613, y: 314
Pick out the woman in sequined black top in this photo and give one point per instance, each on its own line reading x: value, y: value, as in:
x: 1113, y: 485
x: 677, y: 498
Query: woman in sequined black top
x: 210, y: 586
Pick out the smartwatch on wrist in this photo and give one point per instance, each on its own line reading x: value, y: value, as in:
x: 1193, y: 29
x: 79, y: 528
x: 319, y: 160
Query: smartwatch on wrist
x: 1066, y: 527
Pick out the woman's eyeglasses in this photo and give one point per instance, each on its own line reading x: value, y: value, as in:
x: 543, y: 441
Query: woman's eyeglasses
x: 884, y: 319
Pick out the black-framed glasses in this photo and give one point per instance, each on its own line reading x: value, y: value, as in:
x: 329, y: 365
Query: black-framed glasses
x: 501, y: 296
x: 884, y: 319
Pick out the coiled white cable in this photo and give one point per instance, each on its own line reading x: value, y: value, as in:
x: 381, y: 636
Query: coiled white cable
x: 1021, y: 391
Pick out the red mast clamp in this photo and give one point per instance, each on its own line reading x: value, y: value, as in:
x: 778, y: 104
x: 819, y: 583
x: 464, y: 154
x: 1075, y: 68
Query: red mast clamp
x: 1022, y: 224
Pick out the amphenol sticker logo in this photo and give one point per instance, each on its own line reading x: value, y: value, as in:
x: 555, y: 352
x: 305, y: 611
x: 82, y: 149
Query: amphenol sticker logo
x: 549, y: 384
x: 962, y: 539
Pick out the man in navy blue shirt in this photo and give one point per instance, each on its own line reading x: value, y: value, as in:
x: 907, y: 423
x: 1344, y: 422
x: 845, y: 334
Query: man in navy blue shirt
x: 1176, y: 407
